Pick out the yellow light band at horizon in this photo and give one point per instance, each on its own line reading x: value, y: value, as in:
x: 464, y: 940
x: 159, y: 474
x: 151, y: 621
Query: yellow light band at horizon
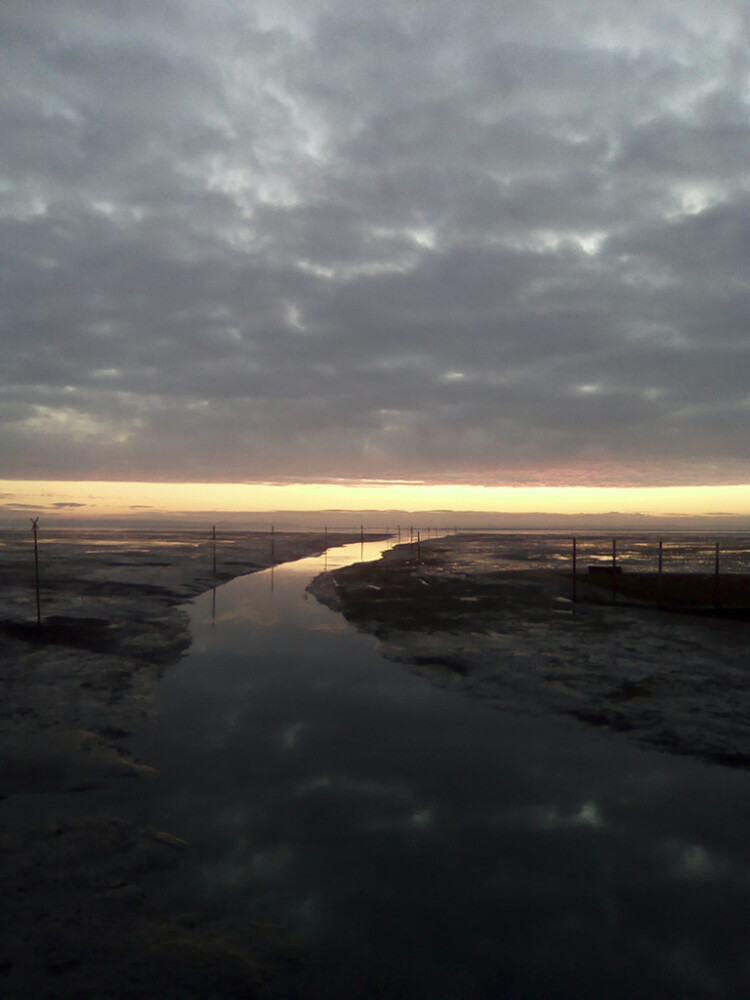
x: 106, y: 498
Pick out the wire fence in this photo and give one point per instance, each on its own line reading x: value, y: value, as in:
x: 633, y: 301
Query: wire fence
x: 668, y: 554
x: 679, y: 571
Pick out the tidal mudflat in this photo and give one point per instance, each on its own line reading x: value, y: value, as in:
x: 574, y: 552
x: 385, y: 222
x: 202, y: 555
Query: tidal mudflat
x: 413, y: 841
x: 493, y: 616
x: 75, y: 920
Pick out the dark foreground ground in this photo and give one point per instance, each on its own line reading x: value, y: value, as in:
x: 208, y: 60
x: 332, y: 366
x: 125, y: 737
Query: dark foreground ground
x: 75, y: 920
x: 676, y: 680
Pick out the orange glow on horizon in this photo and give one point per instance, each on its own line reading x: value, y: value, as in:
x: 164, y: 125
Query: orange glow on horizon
x: 122, y: 499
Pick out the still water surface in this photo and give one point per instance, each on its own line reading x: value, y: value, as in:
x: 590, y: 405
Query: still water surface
x: 421, y: 844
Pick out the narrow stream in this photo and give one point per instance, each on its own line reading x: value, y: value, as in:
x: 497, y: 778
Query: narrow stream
x: 419, y: 843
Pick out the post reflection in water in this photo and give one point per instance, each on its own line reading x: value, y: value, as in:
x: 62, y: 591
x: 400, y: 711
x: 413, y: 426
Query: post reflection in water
x: 421, y: 844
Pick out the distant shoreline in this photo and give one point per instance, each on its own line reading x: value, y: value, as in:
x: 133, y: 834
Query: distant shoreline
x: 372, y: 520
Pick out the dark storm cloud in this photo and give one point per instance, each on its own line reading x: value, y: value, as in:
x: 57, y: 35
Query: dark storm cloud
x: 491, y: 242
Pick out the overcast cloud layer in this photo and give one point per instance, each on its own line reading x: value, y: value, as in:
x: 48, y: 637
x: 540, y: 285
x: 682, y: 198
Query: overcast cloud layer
x: 479, y: 241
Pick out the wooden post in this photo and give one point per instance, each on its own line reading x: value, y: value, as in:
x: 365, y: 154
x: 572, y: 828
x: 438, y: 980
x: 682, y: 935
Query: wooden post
x: 661, y: 568
x: 213, y: 537
x: 574, y: 570
x: 273, y: 546
x: 614, y: 570
x: 419, y: 549
x: 35, y: 530
x: 716, y: 577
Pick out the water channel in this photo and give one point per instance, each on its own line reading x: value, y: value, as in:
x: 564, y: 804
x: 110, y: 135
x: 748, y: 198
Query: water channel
x: 419, y: 843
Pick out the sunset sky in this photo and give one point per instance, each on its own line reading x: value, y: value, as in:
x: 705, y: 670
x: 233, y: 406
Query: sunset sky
x: 469, y: 246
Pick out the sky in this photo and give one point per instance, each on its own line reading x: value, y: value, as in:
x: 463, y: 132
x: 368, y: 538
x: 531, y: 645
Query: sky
x: 471, y: 245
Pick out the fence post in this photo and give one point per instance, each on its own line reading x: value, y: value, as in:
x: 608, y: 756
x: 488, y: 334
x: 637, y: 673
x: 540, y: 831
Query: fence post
x: 574, y: 570
x: 35, y: 530
x: 716, y: 578
x: 659, y: 581
x: 419, y: 548
x: 614, y: 570
x: 213, y: 539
